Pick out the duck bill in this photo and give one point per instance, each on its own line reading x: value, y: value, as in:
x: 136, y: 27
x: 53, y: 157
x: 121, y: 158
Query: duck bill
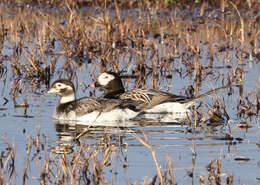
x: 52, y: 91
x: 95, y: 84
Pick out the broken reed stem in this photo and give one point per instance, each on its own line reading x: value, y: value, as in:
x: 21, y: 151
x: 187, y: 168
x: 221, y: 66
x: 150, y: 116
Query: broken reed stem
x: 119, y: 18
x: 27, y: 165
x: 8, y: 165
x: 72, y: 179
x: 91, y: 40
x: 68, y: 172
x: 170, y: 168
x: 86, y: 129
x: 148, y: 145
x: 242, y: 29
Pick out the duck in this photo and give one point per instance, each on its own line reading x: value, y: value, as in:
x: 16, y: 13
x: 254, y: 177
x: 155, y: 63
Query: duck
x: 151, y: 102
x: 88, y: 109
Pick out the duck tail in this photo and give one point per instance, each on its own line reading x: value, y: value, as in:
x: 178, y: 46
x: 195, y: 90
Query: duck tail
x: 192, y: 101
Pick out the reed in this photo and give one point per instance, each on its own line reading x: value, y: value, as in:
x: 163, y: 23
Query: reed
x: 143, y: 40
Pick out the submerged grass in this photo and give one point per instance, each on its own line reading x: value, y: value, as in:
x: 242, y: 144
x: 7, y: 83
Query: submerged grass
x: 43, y: 40
x: 89, y: 164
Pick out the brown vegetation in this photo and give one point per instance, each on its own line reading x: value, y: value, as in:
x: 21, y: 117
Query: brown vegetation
x: 50, y: 39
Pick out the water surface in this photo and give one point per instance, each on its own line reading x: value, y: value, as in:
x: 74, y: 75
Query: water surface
x: 190, y: 148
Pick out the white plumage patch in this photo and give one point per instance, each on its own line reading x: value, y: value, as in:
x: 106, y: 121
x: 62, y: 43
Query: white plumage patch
x: 66, y: 99
x: 95, y: 116
x: 168, y: 112
x: 167, y: 117
x: 105, y: 78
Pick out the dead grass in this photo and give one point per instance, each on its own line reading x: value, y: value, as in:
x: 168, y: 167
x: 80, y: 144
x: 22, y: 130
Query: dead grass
x: 155, y: 39
x: 142, y: 44
x: 215, y: 175
x: 7, y: 163
x: 89, y: 164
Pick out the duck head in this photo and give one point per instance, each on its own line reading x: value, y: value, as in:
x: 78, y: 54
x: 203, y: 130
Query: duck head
x: 63, y: 88
x: 110, y: 82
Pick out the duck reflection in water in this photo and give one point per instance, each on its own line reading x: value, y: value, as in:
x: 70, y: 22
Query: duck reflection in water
x: 69, y: 134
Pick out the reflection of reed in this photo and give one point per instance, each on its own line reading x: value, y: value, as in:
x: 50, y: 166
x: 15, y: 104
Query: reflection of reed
x: 66, y: 132
x: 118, y: 133
x: 158, y: 133
x: 169, y: 52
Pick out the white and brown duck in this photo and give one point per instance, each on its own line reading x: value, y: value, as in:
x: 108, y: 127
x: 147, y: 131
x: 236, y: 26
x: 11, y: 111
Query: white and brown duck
x: 149, y: 101
x: 88, y: 109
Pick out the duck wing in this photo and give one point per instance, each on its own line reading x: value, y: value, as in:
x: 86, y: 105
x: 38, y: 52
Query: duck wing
x: 87, y: 105
x: 147, y: 98
x: 90, y: 104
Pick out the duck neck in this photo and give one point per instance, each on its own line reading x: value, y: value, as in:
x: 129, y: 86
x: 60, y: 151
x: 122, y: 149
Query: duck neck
x: 113, y: 93
x: 68, y: 98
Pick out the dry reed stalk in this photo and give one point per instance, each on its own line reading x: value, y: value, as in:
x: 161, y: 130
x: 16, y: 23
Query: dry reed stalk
x: 87, y: 129
x: 7, y: 163
x: 242, y: 29
x: 170, y: 166
x: 106, y: 156
x: 214, y: 173
x: 79, y: 36
x: 27, y: 165
x: 72, y: 178
x: 76, y: 160
x: 119, y: 19
x: 149, y: 146
x: 64, y: 168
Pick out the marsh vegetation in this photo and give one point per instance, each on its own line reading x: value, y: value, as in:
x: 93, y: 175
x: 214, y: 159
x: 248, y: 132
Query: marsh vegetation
x: 181, y: 47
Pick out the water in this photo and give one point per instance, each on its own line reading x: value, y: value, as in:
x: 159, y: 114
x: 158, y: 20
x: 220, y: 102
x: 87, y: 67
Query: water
x: 176, y: 140
x: 190, y: 149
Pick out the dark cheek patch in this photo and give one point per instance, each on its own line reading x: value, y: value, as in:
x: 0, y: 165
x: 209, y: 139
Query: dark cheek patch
x: 63, y: 90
